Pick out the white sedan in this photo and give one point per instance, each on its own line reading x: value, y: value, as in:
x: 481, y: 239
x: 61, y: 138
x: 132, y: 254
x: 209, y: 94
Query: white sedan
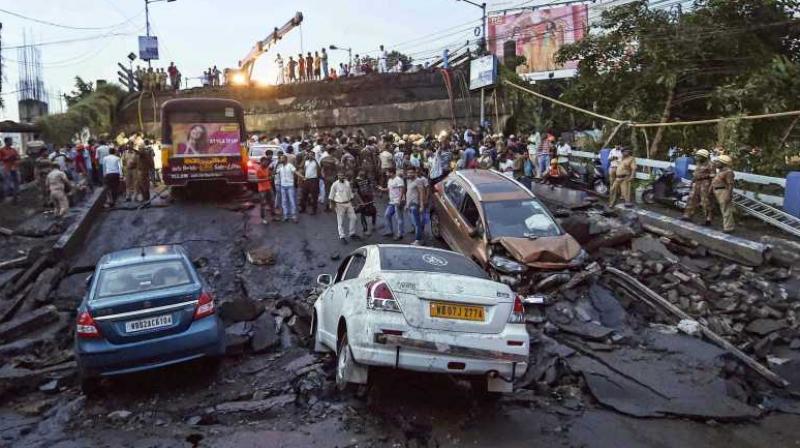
x: 423, y: 309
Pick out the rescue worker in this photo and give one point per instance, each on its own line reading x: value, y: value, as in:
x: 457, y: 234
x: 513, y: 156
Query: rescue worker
x: 722, y: 185
x: 701, y: 187
x: 623, y: 178
x: 42, y: 168
x: 145, y: 166
x: 130, y: 160
x: 58, y: 185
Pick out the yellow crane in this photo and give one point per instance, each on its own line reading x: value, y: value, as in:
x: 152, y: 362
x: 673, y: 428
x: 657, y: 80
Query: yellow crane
x: 241, y: 75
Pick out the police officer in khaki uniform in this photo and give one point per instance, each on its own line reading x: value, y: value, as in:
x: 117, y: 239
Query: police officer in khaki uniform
x: 623, y: 179
x: 58, y: 184
x: 722, y: 186
x: 42, y: 168
x: 701, y: 187
x: 130, y: 162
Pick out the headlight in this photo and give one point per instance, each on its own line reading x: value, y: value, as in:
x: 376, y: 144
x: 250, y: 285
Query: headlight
x: 506, y: 265
x: 579, y: 260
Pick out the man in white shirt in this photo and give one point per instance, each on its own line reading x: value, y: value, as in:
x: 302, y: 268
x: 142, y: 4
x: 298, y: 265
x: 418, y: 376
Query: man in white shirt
x: 386, y: 160
x: 563, y: 150
x: 285, y: 173
x: 310, y: 193
x: 382, y: 61
x: 416, y: 195
x: 100, y: 153
x: 112, y: 173
x: 341, y: 198
x: 506, y: 165
x: 397, y: 199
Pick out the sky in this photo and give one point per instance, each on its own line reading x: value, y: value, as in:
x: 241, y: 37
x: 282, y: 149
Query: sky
x: 197, y: 34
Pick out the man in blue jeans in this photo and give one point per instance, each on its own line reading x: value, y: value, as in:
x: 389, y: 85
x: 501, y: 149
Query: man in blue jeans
x: 416, y: 188
x: 286, y: 173
x: 396, y: 186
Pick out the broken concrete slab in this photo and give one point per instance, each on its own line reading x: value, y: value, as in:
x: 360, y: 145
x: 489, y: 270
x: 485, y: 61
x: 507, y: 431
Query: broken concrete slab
x: 70, y: 291
x: 237, y: 336
x: 588, y: 330
x: 46, y: 282
x: 240, y: 309
x: 612, y: 314
x: 40, y: 337
x: 9, y: 276
x: 261, y: 256
x: 27, y: 322
x: 748, y: 252
x: 31, y: 273
x: 653, y: 247
x: 672, y: 375
x: 255, y: 405
x: 265, y: 334
x: 764, y: 327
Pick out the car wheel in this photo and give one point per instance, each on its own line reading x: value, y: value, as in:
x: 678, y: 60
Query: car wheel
x: 436, y: 229
x: 344, y: 357
x: 649, y: 197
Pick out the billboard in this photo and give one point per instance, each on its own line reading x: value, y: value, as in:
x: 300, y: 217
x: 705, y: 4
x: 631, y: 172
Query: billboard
x: 148, y: 48
x: 205, y: 139
x: 482, y: 72
x: 538, y: 35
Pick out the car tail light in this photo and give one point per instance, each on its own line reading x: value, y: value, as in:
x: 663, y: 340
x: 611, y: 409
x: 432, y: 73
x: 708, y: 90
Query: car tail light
x: 518, y: 313
x: 205, y: 306
x: 380, y: 297
x: 86, y: 327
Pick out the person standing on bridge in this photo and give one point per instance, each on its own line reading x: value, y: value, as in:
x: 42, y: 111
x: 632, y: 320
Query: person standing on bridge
x: 292, y: 67
x: 701, y: 187
x: 324, y: 61
x: 309, y: 67
x: 317, y: 66
x: 281, y: 78
x: 301, y: 67
x: 623, y: 181
x: 384, y: 56
x: 722, y: 185
x: 58, y: 185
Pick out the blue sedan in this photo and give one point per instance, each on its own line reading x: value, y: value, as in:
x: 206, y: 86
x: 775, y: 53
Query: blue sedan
x: 144, y: 308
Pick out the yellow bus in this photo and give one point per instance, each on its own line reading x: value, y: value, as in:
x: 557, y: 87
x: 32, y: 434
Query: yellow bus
x: 203, y: 139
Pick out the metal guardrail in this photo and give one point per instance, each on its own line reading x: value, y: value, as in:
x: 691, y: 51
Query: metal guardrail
x: 747, y: 177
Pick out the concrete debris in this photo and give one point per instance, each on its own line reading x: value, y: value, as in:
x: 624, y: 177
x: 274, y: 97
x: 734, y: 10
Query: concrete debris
x: 689, y: 326
x: 255, y: 405
x: 261, y: 256
x: 240, y: 309
x: 27, y: 323
x: 237, y: 337
x: 764, y: 327
x: 265, y: 335
x: 119, y: 415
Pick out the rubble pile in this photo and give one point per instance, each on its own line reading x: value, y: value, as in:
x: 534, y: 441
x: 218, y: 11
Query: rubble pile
x: 257, y: 326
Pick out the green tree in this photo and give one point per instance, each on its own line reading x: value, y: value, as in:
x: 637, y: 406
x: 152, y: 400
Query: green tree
x: 81, y: 91
x: 394, y: 55
x: 94, y: 111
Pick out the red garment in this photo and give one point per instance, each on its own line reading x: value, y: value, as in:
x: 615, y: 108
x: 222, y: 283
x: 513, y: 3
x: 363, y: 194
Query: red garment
x: 264, y: 174
x: 10, y: 158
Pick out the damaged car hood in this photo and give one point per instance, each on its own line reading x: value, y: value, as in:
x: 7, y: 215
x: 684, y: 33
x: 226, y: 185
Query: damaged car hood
x: 543, y: 250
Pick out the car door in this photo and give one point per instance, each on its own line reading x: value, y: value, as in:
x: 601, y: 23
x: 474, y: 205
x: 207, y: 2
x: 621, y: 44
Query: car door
x: 452, y: 199
x: 472, y: 227
x: 341, y: 290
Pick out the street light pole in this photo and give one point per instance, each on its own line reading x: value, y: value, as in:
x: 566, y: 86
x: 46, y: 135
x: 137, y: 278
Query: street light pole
x: 484, y: 49
x: 147, y: 18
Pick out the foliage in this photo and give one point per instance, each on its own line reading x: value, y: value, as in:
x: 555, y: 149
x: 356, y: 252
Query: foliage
x: 82, y: 90
x: 720, y: 58
x: 394, y: 55
x: 94, y: 111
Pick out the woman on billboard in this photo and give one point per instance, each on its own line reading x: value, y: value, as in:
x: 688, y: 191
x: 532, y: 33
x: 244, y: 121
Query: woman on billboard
x: 196, y: 141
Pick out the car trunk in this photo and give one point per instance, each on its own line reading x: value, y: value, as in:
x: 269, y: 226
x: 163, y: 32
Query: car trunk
x: 149, y: 319
x: 417, y: 291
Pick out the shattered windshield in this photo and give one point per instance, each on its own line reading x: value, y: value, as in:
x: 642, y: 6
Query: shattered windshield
x: 519, y: 219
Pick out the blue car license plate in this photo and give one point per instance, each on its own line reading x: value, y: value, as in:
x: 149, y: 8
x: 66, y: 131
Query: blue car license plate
x: 149, y: 323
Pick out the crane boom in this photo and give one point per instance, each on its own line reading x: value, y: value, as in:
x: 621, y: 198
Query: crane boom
x: 245, y: 70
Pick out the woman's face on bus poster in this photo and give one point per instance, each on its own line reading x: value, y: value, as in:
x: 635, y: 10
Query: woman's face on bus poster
x: 206, y: 138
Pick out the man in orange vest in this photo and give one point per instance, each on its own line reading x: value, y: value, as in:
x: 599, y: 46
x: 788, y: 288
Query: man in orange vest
x: 264, y: 179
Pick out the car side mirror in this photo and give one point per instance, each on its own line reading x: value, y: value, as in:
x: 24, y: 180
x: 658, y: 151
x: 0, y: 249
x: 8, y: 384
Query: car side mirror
x: 324, y: 280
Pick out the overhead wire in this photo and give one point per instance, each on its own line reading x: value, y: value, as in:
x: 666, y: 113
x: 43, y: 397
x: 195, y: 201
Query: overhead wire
x: 69, y: 27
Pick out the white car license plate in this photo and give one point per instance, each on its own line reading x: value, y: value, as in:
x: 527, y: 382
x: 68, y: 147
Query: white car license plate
x: 148, y: 324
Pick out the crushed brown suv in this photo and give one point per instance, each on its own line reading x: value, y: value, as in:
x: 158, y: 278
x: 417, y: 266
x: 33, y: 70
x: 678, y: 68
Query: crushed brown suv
x: 501, y: 225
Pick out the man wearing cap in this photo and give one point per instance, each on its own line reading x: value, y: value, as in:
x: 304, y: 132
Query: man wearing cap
x: 722, y: 186
x: 626, y: 169
x: 701, y: 187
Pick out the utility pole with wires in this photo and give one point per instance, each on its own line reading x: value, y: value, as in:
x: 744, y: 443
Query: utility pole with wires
x: 484, y: 49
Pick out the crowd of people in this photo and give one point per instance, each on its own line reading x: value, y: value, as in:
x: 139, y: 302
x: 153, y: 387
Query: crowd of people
x: 345, y: 173
x: 315, y: 67
x: 158, y: 79
x: 126, y: 163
